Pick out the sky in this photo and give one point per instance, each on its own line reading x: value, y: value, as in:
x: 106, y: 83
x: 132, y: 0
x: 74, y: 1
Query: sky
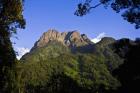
x: 41, y: 15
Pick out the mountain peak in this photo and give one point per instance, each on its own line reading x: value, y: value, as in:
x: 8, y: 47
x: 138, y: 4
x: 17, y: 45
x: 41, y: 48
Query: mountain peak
x: 70, y: 39
x: 106, y: 41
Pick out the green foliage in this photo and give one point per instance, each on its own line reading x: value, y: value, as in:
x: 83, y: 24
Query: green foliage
x: 11, y: 18
x: 54, y: 69
x: 95, y: 73
x: 107, y: 50
x: 11, y: 15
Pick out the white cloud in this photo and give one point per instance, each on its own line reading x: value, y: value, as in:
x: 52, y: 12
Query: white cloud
x: 21, y: 51
x: 99, y: 37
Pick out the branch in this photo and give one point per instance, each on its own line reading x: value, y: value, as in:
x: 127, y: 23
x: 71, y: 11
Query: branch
x: 95, y: 6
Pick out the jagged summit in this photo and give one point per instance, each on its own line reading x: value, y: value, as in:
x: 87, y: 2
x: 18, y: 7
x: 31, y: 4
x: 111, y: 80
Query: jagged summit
x: 70, y: 39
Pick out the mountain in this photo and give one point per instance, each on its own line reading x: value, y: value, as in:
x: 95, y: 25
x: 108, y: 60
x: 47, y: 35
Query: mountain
x: 69, y: 62
x: 71, y: 39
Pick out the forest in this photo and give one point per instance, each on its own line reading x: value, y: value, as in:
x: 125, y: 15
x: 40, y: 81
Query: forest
x: 70, y: 62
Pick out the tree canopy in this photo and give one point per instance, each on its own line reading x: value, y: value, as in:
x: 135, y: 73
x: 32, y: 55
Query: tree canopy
x: 130, y: 9
x: 11, y: 18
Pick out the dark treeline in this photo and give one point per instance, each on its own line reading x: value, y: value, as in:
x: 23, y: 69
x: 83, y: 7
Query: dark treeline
x: 129, y: 73
x: 11, y: 18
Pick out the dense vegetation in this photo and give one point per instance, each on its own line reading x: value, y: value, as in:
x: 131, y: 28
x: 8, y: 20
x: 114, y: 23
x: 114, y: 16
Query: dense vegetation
x: 128, y: 73
x: 55, y: 69
x: 11, y: 19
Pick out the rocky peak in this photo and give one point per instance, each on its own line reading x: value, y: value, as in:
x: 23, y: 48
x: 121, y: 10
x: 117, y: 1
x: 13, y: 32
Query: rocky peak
x: 70, y: 39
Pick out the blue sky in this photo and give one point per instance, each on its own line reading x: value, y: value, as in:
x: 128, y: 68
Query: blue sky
x: 42, y: 15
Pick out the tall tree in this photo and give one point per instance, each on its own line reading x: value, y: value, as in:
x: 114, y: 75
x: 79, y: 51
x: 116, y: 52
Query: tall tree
x: 130, y: 9
x: 11, y: 18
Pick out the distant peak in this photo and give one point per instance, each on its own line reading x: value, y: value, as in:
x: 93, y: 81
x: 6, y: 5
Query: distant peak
x: 75, y: 35
x: 75, y: 31
x: 106, y: 41
x: 70, y: 39
x: 51, y: 30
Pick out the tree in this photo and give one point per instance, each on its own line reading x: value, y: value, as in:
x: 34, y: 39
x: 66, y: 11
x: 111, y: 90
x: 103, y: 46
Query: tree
x: 130, y: 9
x: 11, y: 18
x: 129, y: 72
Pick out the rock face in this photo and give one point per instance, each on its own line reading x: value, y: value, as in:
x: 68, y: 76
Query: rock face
x: 70, y: 39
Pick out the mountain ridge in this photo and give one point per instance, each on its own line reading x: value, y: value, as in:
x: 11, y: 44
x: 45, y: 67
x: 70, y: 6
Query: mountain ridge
x: 70, y: 39
x: 55, y: 67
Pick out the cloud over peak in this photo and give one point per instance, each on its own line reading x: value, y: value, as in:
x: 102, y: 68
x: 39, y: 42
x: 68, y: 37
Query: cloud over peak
x: 21, y: 51
x: 99, y: 37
